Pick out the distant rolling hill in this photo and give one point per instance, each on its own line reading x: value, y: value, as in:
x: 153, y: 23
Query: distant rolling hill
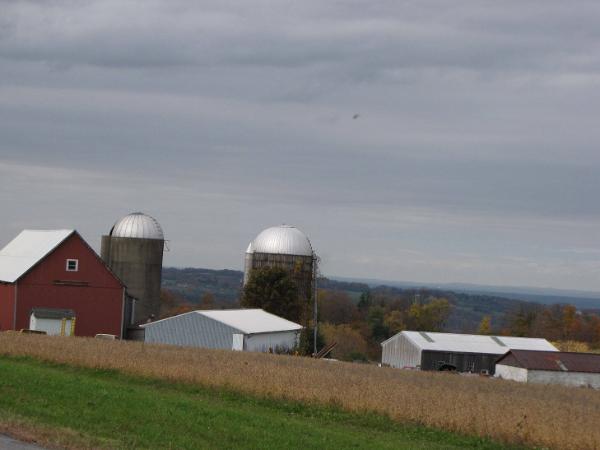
x: 193, y: 283
x: 470, y: 302
x: 547, y: 296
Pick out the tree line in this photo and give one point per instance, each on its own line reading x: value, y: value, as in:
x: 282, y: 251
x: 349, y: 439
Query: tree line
x: 555, y: 323
x: 358, y: 327
x: 359, y: 322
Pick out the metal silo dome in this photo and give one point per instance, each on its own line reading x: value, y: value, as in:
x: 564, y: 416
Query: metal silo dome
x: 137, y: 225
x: 282, y: 240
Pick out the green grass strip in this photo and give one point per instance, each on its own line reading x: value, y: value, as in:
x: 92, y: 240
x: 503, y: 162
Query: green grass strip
x: 114, y: 410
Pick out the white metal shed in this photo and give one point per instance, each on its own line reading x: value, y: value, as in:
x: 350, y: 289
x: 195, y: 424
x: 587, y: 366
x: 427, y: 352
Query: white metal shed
x: 462, y: 352
x: 233, y: 329
x: 53, y: 321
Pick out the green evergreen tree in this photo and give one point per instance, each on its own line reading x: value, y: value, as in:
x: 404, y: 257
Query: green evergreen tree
x: 376, y: 323
x: 274, y: 290
x: 305, y: 344
x: 365, y: 301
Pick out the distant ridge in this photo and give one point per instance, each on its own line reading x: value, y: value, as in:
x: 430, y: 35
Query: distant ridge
x: 549, y: 296
x: 225, y: 283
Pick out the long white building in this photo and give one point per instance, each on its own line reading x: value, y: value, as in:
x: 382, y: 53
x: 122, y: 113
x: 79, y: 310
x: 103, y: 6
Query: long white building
x: 449, y: 351
x: 252, y: 330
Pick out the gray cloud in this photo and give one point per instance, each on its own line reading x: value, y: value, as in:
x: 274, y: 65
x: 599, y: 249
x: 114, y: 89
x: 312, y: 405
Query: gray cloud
x: 512, y: 36
x: 473, y: 159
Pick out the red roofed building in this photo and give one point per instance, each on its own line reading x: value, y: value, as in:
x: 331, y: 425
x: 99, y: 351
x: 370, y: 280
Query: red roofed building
x: 567, y: 368
x: 48, y: 274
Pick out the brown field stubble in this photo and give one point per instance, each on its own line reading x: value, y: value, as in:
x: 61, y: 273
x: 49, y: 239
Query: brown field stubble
x: 543, y: 416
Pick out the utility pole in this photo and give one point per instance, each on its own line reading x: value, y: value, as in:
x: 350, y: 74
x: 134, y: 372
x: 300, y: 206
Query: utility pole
x: 315, y: 304
x: 417, y: 299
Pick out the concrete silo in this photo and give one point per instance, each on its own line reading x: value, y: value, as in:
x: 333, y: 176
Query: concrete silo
x: 133, y: 250
x: 287, y: 247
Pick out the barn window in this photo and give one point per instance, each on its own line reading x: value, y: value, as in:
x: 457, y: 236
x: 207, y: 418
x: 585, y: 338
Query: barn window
x: 72, y: 265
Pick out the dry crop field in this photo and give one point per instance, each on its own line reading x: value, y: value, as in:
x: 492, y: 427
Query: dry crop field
x: 542, y: 416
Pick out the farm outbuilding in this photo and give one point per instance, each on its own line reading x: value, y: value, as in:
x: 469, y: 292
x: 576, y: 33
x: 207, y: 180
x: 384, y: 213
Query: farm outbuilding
x: 52, y: 281
x: 449, y: 351
x: 52, y: 321
x: 252, y: 330
x: 566, y: 368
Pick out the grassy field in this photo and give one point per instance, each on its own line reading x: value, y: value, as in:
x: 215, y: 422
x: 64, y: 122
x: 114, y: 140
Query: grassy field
x: 551, y: 417
x: 100, y: 408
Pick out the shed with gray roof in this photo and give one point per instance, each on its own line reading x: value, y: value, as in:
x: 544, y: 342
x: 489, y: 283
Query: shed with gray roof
x: 231, y: 329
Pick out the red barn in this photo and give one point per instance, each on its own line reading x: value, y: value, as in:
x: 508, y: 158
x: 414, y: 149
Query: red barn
x: 46, y: 273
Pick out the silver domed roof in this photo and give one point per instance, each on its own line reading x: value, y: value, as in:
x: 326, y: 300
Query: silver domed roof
x: 283, y: 240
x: 137, y: 225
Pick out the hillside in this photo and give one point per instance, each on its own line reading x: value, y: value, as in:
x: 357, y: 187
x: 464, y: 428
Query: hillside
x: 225, y: 285
x: 547, y: 296
x: 192, y: 283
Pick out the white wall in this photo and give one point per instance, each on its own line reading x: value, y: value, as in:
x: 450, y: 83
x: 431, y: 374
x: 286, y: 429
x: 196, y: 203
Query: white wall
x: 576, y: 379
x: 238, y: 342
x: 190, y: 330
x: 262, y: 342
x: 511, y: 373
x: 399, y: 352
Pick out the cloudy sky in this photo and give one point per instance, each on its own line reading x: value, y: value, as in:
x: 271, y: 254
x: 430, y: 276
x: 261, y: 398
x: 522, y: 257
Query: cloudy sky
x: 474, y: 157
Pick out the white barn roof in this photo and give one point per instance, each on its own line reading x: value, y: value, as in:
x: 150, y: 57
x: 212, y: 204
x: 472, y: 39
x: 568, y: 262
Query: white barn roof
x: 472, y: 343
x: 247, y: 321
x: 26, y: 250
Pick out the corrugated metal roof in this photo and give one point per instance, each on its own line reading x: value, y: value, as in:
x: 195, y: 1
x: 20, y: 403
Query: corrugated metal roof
x: 473, y: 343
x: 251, y: 320
x: 283, y: 240
x: 555, y: 361
x: 137, y: 225
x: 26, y: 250
x: 247, y: 321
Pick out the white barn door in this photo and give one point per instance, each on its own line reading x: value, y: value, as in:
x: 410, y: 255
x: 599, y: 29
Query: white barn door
x: 238, y: 342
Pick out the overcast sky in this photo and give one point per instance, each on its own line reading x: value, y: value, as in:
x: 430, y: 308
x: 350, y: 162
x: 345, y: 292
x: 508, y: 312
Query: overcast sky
x: 475, y: 156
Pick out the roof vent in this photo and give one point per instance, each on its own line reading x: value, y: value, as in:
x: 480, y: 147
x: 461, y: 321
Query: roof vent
x: 426, y: 336
x: 497, y: 340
